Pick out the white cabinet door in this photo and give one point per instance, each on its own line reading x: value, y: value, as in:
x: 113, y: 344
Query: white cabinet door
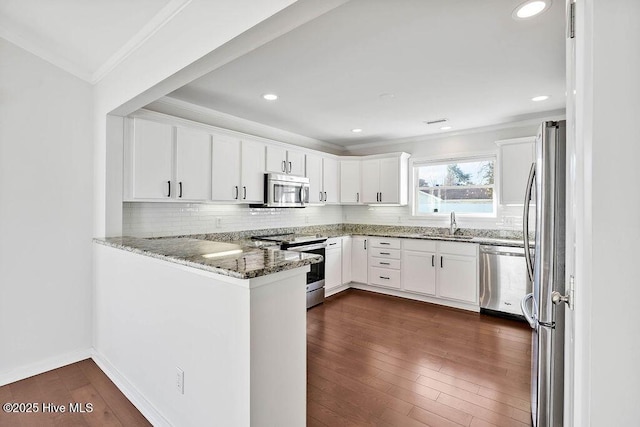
x: 225, y: 181
x: 193, y: 164
x: 314, y: 173
x: 370, y: 181
x: 252, y: 172
x: 515, y: 163
x: 332, y: 268
x: 295, y: 162
x: 346, y: 259
x: 276, y: 159
x: 458, y: 278
x: 331, y: 182
x: 419, y: 272
x: 152, y: 160
x: 359, y: 259
x: 350, y: 182
x: 389, y: 180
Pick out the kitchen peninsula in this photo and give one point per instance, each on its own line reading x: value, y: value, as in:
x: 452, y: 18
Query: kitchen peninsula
x: 196, y: 330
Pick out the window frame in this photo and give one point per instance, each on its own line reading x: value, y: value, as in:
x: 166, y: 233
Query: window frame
x: 416, y: 163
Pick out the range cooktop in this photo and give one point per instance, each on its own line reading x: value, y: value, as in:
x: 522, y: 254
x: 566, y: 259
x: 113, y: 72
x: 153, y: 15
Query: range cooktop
x: 292, y: 238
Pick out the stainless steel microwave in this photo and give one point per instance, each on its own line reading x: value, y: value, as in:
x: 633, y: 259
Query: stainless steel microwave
x: 285, y: 191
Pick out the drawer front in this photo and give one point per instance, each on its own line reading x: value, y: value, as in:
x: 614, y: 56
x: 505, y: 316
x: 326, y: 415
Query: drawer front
x: 384, y: 277
x: 456, y: 248
x: 385, y: 253
x: 334, y: 243
x: 419, y: 245
x: 382, y: 242
x: 385, y: 263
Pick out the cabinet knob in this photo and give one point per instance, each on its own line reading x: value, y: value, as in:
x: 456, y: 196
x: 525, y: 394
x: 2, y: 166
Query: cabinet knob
x: 169, y: 182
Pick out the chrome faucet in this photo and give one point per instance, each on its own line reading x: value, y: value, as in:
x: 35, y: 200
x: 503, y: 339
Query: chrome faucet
x: 454, y: 226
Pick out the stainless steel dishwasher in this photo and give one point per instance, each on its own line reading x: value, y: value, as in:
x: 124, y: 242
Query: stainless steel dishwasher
x: 503, y: 279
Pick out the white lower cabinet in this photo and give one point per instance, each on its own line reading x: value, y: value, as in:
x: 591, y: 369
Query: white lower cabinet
x: 346, y: 259
x: 384, y: 262
x: 443, y: 269
x: 333, y: 264
x: 359, y: 259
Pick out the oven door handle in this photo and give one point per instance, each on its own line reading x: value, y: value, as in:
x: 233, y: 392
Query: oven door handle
x: 307, y: 248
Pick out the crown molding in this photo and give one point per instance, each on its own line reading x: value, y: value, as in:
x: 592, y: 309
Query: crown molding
x: 40, y: 49
x: 198, y: 113
x: 529, y: 121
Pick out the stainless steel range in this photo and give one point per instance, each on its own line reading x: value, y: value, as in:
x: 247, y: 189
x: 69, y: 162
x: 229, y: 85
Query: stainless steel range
x: 308, y: 243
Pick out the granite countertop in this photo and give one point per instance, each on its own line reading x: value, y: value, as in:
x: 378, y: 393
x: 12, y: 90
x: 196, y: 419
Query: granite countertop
x: 242, y: 259
x: 482, y: 240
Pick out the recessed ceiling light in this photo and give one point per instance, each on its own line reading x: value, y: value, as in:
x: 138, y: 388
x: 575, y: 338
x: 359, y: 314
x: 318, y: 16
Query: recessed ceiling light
x: 540, y: 98
x: 270, y: 96
x: 530, y: 9
x: 356, y: 130
x: 445, y: 128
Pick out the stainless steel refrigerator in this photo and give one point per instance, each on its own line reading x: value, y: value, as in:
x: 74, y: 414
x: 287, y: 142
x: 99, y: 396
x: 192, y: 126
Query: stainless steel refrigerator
x: 546, y: 190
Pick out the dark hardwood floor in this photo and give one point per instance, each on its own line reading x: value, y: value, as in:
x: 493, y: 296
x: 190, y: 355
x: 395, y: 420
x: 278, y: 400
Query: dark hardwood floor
x: 383, y: 361
x: 81, y: 382
x: 373, y: 360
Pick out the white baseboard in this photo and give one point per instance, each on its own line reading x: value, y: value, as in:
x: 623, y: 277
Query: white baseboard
x: 42, y: 366
x: 139, y: 401
x: 336, y: 290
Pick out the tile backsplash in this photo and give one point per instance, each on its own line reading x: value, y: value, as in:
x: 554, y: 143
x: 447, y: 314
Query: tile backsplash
x: 147, y: 219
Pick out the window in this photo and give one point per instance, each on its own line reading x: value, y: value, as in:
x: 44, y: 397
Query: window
x: 462, y: 185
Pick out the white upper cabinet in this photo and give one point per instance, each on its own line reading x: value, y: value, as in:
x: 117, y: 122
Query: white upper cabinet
x: 314, y: 173
x: 193, y: 164
x: 350, y: 181
x: 515, y: 159
x: 385, y: 179
x: 238, y: 170
x: 281, y: 160
x: 252, y: 171
x: 323, y: 179
x: 152, y: 160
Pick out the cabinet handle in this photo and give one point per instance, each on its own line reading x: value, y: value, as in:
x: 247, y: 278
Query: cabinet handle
x: 385, y: 263
x: 169, y: 182
x: 284, y: 166
x: 320, y: 195
x: 440, y: 262
x: 331, y: 244
x: 433, y: 260
x: 365, y: 244
x: 385, y: 253
x: 385, y: 243
x: 244, y: 192
x: 290, y: 167
x: 381, y: 196
x: 357, y: 197
x: 180, y: 191
x: 385, y: 278
x: 237, y: 192
x: 325, y: 196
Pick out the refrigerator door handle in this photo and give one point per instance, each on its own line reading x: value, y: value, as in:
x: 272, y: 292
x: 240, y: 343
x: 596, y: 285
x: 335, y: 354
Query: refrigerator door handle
x: 527, y: 315
x: 525, y: 220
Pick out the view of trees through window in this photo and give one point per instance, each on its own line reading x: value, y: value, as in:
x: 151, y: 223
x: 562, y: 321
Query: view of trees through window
x: 465, y: 186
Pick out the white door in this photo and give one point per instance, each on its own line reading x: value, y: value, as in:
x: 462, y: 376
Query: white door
x: 225, y: 181
x: 330, y: 179
x: 295, y: 162
x: 457, y: 277
x: 359, y: 260
x: 153, y: 160
x: 390, y: 180
x: 193, y: 166
x: 276, y: 159
x: 370, y: 181
x: 314, y: 173
x: 252, y: 172
x: 346, y: 259
x: 350, y: 182
x: 332, y: 268
x: 419, y: 272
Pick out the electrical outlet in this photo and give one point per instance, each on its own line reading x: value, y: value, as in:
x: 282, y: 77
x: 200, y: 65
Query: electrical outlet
x: 180, y: 380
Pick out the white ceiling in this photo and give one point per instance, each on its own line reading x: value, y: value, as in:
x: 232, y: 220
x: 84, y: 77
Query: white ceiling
x: 84, y: 37
x: 465, y: 60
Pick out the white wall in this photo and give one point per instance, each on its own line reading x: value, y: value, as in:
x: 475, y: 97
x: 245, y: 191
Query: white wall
x: 45, y: 215
x: 613, y: 204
